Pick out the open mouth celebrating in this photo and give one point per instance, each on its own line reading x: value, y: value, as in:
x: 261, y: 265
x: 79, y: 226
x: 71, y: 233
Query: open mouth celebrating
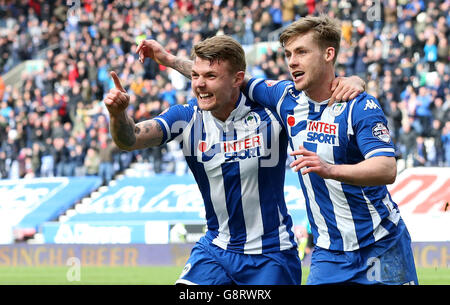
x: 297, y: 75
x: 205, y: 96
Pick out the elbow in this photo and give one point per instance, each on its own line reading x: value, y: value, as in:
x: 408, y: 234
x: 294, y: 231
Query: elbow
x: 391, y: 173
x: 125, y: 148
x: 391, y: 179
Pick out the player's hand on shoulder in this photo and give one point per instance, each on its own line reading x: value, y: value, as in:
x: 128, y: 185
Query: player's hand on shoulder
x: 346, y: 88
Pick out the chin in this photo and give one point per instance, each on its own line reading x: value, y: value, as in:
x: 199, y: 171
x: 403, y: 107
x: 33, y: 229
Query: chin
x: 206, y: 106
x: 301, y: 86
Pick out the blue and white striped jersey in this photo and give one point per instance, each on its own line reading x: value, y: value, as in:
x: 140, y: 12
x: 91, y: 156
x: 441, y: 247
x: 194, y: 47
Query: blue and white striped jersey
x: 239, y: 166
x: 342, y: 216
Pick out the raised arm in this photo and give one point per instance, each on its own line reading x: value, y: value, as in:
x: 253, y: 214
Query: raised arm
x: 126, y: 134
x: 154, y: 50
x: 344, y: 88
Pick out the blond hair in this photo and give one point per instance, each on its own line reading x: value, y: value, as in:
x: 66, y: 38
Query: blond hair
x: 326, y: 31
x: 221, y: 47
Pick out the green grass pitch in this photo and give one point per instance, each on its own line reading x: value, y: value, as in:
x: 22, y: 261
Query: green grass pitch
x: 156, y: 275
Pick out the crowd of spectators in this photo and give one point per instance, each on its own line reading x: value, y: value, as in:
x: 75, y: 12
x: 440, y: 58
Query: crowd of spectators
x: 55, y: 124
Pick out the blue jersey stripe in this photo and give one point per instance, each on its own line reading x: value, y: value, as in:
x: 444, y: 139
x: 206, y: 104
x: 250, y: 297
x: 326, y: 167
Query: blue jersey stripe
x: 312, y: 223
x: 326, y: 208
x: 236, y: 220
x: 205, y: 189
x: 361, y: 214
x: 270, y: 190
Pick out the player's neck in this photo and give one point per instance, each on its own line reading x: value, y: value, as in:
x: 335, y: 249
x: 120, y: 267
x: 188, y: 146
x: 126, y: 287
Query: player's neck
x: 224, y: 112
x: 320, y: 90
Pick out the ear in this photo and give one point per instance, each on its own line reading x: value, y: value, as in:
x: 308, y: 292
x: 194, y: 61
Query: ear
x: 239, y: 78
x: 330, y: 53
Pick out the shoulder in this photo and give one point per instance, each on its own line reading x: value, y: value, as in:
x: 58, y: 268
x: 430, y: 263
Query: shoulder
x: 268, y: 84
x: 180, y: 112
x: 366, y: 104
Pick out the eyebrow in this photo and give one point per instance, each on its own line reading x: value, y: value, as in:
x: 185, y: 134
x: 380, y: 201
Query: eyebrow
x: 209, y: 72
x: 300, y: 48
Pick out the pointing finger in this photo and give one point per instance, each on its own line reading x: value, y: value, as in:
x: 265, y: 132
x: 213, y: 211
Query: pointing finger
x: 117, y: 81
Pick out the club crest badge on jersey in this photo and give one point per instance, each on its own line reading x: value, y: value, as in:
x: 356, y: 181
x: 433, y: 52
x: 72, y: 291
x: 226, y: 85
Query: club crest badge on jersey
x: 338, y: 108
x: 381, y: 132
x: 252, y: 120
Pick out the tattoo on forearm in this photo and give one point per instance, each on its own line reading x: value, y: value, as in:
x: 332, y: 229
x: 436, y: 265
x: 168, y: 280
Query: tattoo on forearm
x: 184, y: 66
x: 152, y: 131
x: 124, y: 133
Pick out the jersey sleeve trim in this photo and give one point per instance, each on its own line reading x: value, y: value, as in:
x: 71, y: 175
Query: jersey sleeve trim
x: 280, y: 101
x: 253, y: 83
x: 349, y: 119
x: 389, y: 152
x: 165, y: 128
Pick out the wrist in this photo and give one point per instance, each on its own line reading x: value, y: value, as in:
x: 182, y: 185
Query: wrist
x: 334, y: 172
x: 170, y: 60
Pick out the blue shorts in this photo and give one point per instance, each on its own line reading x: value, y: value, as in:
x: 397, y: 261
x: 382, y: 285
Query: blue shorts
x: 212, y: 265
x: 388, y: 261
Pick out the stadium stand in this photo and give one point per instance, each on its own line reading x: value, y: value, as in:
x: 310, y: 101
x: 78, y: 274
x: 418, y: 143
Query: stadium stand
x: 55, y: 58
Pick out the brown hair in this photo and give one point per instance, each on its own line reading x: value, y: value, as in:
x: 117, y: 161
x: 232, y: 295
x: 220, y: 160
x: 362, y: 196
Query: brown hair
x: 327, y: 31
x: 221, y: 47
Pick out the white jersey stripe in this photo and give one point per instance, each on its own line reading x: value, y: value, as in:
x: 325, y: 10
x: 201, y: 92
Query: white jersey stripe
x: 283, y: 233
x: 219, y: 202
x: 215, y: 179
x: 323, y: 239
x: 252, y: 212
x: 378, y: 230
x: 341, y: 208
x: 254, y: 83
x: 394, y: 215
x: 301, y: 113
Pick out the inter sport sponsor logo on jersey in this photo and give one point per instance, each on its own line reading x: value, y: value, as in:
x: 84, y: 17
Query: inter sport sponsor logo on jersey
x: 236, y: 150
x: 322, y: 132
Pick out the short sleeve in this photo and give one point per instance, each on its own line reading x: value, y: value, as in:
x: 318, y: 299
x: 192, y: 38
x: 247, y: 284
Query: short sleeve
x: 174, y: 120
x: 267, y: 93
x: 370, y: 128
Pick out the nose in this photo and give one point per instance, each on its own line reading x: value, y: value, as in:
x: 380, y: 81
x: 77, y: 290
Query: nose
x: 292, y: 61
x: 200, y: 82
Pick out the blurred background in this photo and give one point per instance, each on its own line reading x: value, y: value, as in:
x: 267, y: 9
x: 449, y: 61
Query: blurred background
x: 67, y: 192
